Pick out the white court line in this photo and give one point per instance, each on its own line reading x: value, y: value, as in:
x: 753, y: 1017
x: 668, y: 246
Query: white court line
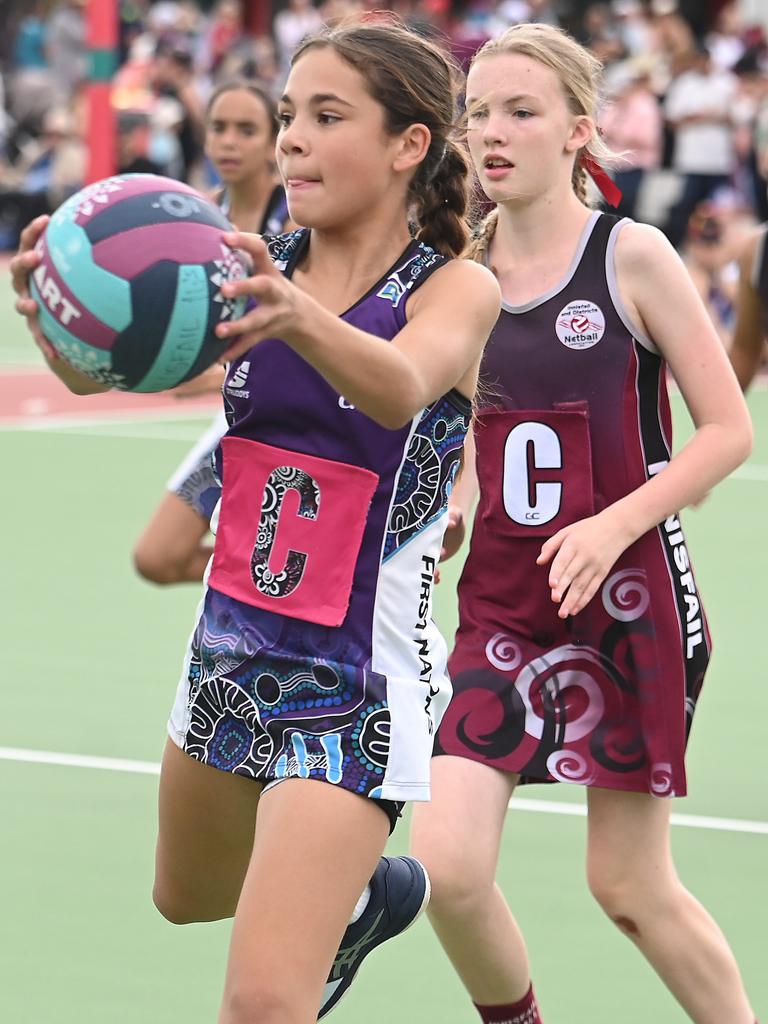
x: 54, y: 423
x: 110, y: 764
x: 113, y: 764
x: 686, y: 820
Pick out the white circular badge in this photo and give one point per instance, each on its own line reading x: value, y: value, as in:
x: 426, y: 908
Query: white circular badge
x: 580, y: 324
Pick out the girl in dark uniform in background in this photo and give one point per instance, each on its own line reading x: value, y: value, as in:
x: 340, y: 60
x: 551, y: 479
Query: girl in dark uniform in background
x: 582, y: 642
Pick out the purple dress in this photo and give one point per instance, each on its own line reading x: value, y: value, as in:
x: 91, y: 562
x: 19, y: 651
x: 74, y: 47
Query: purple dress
x: 315, y: 654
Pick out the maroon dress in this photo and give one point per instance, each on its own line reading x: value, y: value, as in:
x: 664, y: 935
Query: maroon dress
x: 577, y: 416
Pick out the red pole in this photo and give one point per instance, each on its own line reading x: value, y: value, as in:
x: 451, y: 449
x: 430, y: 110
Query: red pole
x: 102, y: 23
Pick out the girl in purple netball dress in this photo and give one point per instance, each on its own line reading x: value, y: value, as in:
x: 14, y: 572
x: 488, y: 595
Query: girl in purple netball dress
x: 315, y: 658
x: 241, y: 128
x: 582, y: 642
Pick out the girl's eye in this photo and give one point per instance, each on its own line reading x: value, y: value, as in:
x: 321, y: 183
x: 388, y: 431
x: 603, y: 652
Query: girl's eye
x: 523, y: 114
x: 283, y: 119
x: 477, y: 114
x: 328, y: 118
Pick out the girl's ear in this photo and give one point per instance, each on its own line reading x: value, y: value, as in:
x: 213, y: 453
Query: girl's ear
x: 413, y: 147
x: 582, y: 131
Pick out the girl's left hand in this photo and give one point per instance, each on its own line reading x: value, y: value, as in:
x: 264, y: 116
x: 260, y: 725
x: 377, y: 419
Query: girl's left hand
x: 582, y: 556
x: 275, y: 314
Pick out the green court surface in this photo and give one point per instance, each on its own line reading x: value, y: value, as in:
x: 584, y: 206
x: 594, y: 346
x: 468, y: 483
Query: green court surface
x: 91, y: 659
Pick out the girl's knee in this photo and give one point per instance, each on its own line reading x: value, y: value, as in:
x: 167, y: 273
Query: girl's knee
x: 260, y: 1003
x: 457, y: 879
x: 629, y: 900
x: 180, y: 908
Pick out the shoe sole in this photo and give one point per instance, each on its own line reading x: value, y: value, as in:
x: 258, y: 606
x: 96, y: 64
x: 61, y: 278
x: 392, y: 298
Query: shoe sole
x: 414, y: 919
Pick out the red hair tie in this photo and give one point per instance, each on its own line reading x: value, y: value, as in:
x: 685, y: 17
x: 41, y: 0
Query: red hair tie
x: 609, y: 190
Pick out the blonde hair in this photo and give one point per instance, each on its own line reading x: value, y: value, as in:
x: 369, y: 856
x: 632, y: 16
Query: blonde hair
x: 579, y: 73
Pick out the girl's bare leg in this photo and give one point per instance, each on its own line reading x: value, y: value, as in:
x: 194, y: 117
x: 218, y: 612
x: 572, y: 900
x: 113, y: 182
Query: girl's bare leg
x: 456, y: 836
x: 316, y: 846
x: 633, y: 878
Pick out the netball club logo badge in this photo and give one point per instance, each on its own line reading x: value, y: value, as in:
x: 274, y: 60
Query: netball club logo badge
x: 580, y: 324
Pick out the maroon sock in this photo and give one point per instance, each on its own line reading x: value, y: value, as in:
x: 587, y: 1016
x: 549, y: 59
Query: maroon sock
x: 523, y: 1012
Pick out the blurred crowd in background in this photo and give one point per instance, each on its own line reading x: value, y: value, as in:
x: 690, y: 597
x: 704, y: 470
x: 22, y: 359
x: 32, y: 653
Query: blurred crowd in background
x: 685, y: 99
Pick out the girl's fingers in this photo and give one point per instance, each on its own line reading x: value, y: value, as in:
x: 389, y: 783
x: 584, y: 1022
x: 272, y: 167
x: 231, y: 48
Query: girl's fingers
x: 254, y: 247
x: 26, y: 306
x: 30, y: 235
x: 564, y: 568
x: 22, y: 266
x: 550, y: 547
x: 579, y: 596
x: 259, y: 287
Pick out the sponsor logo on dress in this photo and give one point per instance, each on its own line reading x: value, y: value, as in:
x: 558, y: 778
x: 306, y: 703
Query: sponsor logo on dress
x: 238, y: 381
x: 580, y: 324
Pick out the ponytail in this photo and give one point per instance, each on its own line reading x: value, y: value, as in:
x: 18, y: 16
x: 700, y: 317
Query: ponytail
x: 579, y: 180
x: 480, y: 242
x: 441, y: 198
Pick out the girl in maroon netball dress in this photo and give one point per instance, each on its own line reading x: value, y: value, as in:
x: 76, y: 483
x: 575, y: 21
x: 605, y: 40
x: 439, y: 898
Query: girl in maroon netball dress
x: 315, y: 677
x: 582, y: 642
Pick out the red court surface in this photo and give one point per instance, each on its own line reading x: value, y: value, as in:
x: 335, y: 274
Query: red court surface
x: 28, y: 396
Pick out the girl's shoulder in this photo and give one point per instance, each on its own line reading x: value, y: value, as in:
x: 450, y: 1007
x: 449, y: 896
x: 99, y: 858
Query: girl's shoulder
x: 638, y: 244
x: 465, y: 279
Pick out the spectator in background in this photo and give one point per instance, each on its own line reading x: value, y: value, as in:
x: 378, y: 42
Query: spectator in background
x: 600, y: 34
x: 726, y: 41
x: 708, y: 253
x: 224, y: 31
x: 48, y: 170
x: 698, y: 107
x: 299, y: 19
x: 30, y: 43
x: 672, y: 41
x: 31, y: 88
x: 66, y: 47
x: 172, y: 77
x: 633, y: 26
x: 133, y: 137
x: 752, y: 73
x: 632, y: 125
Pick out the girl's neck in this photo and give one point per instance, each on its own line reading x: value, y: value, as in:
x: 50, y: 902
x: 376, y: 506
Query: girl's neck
x: 248, y: 200
x: 536, y: 230
x: 344, y: 262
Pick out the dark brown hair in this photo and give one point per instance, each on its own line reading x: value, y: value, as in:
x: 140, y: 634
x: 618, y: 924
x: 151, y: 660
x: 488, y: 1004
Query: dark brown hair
x: 415, y: 82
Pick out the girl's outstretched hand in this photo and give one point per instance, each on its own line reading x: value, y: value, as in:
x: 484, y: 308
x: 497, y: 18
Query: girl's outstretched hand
x: 275, y: 312
x: 23, y: 264
x: 582, y: 555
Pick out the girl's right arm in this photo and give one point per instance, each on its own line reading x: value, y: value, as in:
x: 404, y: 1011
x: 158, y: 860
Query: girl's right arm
x: 749, y: 334
x: 449, y: 320
x: 23, y: 265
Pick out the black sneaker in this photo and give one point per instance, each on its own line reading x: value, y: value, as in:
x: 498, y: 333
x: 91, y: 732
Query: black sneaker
x: 399, y: 892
